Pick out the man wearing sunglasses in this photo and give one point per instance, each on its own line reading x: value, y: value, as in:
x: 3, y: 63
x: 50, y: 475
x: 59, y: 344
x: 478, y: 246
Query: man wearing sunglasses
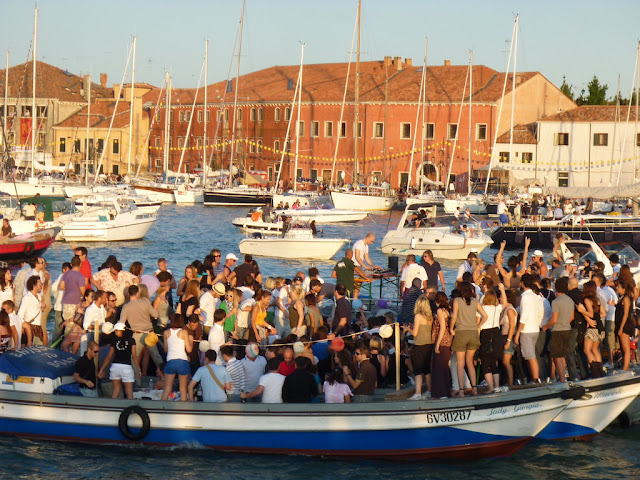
x: 85, y: 371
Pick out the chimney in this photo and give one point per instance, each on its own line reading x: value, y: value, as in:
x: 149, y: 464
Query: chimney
x: 397, y: 62
x: 408, y: 62
x: 387, y: 61
x: 103, y: 80
x: 447, y: 63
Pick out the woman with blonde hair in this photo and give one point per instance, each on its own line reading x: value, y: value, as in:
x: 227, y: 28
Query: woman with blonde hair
x: 296, y: 311
x: 422, y: 346
x: 379, y: 359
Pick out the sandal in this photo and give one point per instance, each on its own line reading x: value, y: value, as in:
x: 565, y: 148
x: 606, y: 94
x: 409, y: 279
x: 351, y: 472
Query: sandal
x: 474, y: 391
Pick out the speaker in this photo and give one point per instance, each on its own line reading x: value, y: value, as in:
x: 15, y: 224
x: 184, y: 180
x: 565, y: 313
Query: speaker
x: 393, y: 264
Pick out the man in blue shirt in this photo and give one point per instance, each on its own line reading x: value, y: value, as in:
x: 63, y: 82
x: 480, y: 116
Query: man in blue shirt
x: 214, y: 379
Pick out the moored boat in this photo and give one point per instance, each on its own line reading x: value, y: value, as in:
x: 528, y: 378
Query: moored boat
x: 368, y: 200
x: 469, y: 428
x: 323, y: 214
x: 296, y: 243
x: 240, y: 196
x: 28, y: 244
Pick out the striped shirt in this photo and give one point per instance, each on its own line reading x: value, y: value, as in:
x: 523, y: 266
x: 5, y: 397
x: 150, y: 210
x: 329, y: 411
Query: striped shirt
x: 236, y: 372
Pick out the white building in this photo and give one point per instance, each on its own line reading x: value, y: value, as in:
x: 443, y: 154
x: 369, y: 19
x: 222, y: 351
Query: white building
x: 589, y: 146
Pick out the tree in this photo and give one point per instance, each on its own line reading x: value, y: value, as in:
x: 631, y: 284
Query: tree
x: 597, y: 92
x: 566, y: 88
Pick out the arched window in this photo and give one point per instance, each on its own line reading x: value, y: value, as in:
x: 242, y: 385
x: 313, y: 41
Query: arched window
x: 260, y: 115
x: 277, y: 114
x: 276, y: 146
x: 287, y: 114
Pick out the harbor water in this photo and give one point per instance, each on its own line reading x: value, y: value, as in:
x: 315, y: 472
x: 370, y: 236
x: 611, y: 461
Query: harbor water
x: 185, y: 233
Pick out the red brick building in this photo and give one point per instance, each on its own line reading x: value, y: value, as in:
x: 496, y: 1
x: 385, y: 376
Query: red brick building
x: 389, y: 93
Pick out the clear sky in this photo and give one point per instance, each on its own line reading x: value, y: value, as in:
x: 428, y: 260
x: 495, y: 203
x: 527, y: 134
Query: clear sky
x: 562, y: 37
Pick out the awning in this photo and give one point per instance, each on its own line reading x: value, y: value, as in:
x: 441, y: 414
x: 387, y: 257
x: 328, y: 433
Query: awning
x: 600, y: 193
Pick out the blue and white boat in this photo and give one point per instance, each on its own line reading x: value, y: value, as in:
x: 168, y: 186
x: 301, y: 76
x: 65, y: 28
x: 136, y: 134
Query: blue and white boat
x: 605, y: 398
x: 469, y: 427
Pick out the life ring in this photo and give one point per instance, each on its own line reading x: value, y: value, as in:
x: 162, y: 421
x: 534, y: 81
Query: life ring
x: 255, y: 216
x: 29, y: 248
x: 123, y: 423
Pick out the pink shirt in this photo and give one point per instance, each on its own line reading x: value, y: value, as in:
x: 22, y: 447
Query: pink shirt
x: 335, y: 393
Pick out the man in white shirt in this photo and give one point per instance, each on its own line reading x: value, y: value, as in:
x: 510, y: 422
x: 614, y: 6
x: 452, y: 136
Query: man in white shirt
x: 270, y: 384
x: 209, y: 303
x: 410, y: 271
x: 361, y: 252
x: 467, y: 266
x: 95, y: 313
x: 37, y: 270
x: 18, y: 327
x: 31, y: 308
x: 609, y: 298
x: 531, y: 316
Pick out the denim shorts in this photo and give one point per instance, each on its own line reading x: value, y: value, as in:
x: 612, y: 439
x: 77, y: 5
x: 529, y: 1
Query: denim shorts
x: 177, y: 367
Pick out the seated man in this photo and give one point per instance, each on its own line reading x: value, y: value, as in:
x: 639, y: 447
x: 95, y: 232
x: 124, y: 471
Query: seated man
x: 85, y: 371
x: 214, y: 379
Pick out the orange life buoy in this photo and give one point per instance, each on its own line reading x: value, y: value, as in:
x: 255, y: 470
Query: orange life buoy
x: 255, y: 216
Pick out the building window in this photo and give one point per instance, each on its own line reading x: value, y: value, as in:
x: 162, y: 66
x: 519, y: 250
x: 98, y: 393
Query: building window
x: 527, y: 157
x: 378, y: 130
x: 270, y: 173
x: 208, y: 116
x: 315, y: 129
x: 218, y: 144
x: 376, y: 177
x: 299, y: 173
x: 76, y: 146
x: 252, y: 146
x: 170, y: 116
x: 63, y: 145
x: 180, y: 142
x: 314, y: 175
x: 115, y: 150
x: 328, y: 129
x: 277, y: 114
x: 226, y: 114
x: 260, y: 115
x: 481, y: 131
x: 343, y: 129
x: 220, y: 116
x: 41, y: 112
x: 600, y: 139
x: 252, y: 115
x: 563, y: 179
x: 199, y: 142
x: 157, y: 142
x: 452, y: 131
x: 100, y: 145
x: 157, y: 116
x: 200, y: 116
x: 429, y: 131
x: 259, y: 146
x: 287, y: 114
x: 637, y: 139
x: 239, y: 115
x: 561, y: 139
x: 187, y: 116
x: 181, y: 117
x: 503, y: 157
x: 276, y: 146
x: 405, y: 130
x: 115, y: 170
x: 301, y: 128
x: 404, y: 179
x: 158, y: 164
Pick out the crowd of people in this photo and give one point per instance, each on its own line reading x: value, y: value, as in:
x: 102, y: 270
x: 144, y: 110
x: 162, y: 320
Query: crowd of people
x: 223, y: 332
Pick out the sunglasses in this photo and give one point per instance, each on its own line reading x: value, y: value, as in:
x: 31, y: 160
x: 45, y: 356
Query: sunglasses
x: 216, y: 256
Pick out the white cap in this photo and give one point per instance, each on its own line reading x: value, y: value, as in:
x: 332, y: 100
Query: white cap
x: 231, y: 256
x: 537, y: 253
x: 119, y: 326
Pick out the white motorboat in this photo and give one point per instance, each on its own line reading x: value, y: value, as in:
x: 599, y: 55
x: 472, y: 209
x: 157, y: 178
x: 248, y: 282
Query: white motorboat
x: 296, y: 243
x: 142, y: 203
x: 36, y: 213
x: 581, y: 250
x: 33, y: 186
x: 477, y: 204
x: 188, y: 196
x: 253, y: 222
x: 323, y: 214
x: 114, y: 219
x: 368, y: 199
x: 445, y: 239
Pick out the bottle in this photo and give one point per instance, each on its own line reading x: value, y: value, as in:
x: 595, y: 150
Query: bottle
x: 199, y: 393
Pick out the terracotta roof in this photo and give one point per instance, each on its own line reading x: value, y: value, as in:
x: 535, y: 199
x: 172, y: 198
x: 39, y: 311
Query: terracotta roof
x: 101, y: 113
x: 522, y: 134
x: 325, y: 83
x: 593, y: 113
x: 51, y: 82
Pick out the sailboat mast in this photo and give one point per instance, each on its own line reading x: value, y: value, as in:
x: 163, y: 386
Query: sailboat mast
x: 295, y: 169
x: 637, y: 87
x: 356, y: 174
x: 4, y: 110
x: 86, y: 153
x: 235, y: 98
x: 470, y: 108
x: 133, y: 83
x: 420, y: 106
x: 513, y: 90
x: 33, y: 96
x: 204, y: 114
x: 167, y: 121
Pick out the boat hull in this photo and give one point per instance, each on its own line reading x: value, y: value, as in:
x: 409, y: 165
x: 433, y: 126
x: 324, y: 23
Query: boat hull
x: 223, y: 197
x: 188, y: 197
x: 28, y: 189
x: 34, y: 246
x: 605, y: 399
x: 361, y: 201
x: 157, y: 194
x: 320, y: 248
x: 323, y: 215
x: 443, y: 244
x: 248, y: 225
x: 466, y: 428
x: 104, y: 231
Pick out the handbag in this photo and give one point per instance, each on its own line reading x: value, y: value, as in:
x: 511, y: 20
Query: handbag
x: 488, y: 346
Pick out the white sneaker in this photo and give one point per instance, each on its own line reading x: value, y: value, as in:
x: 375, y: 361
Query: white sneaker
x: 426, y: 395
x: 416, y: 396
x: 497, y: 390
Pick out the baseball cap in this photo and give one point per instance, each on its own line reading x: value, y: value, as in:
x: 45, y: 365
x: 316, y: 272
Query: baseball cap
x: 231, y: 256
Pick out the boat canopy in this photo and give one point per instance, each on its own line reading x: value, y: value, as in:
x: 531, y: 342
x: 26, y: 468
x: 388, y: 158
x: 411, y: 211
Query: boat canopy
x: 48, y: 204
x: 600, y: 193
x: 38, y: 361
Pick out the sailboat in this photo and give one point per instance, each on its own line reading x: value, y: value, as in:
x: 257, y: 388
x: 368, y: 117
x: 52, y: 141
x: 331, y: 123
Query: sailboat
x: 367, y: 198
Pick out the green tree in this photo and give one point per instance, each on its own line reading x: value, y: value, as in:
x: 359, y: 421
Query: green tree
x: 566, y: 88
x: 597, y: 92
